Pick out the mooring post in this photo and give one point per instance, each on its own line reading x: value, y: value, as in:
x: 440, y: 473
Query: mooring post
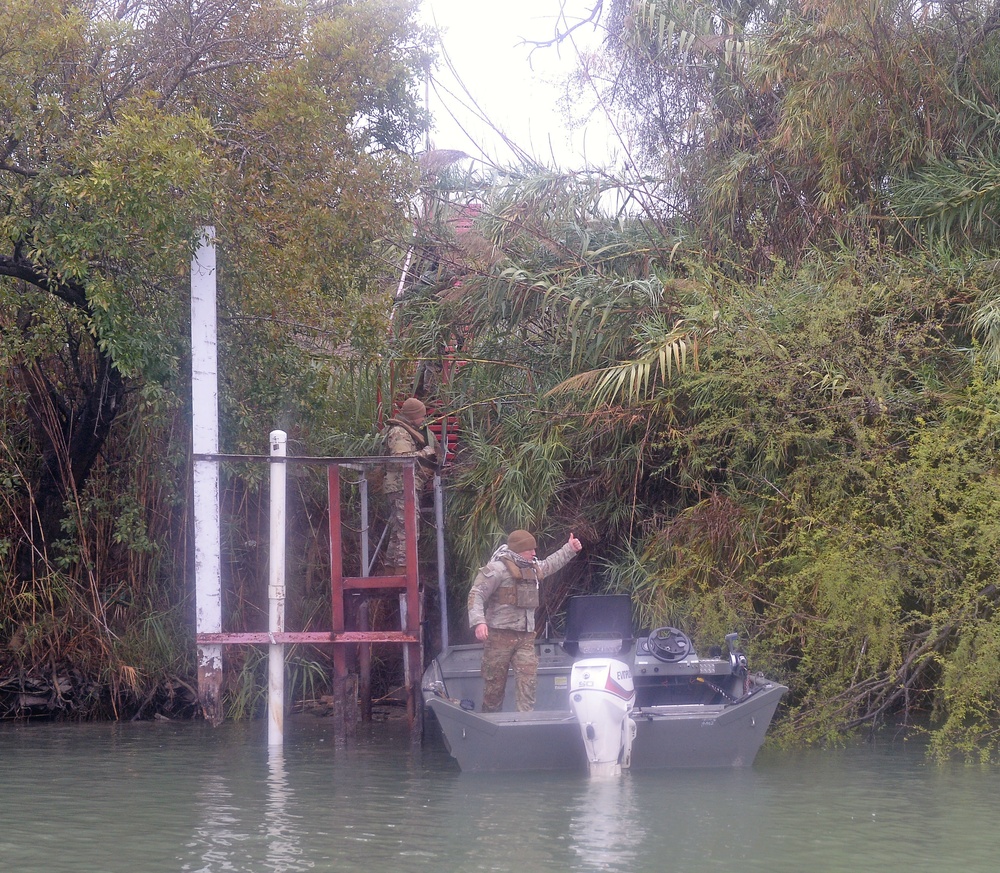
x: 442, y: 578
x: 276, y: 594
x: 205, y: 441
x: 363, y: 603
x: 344, y: 698
x: 410, y: 611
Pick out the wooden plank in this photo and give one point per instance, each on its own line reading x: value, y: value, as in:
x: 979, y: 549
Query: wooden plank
x: 309, y: 637
x: 358, y: 582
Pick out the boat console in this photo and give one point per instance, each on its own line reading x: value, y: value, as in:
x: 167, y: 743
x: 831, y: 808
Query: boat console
x: 665, y: 666
x: 666, y: 669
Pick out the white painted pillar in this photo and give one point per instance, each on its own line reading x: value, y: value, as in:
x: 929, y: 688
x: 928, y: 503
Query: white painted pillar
x: 439, y: 522
x: 276, y: 594
x: 205, y: 441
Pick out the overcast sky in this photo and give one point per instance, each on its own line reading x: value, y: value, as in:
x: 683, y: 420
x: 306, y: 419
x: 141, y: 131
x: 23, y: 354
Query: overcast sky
x: 519, y: 95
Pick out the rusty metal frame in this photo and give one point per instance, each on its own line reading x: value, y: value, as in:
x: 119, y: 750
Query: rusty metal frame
x: 339, y: 636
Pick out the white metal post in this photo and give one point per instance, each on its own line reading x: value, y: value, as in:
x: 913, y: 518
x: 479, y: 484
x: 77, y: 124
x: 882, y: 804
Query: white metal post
x: 365, y: 533
x: 205, y: 441
x: 439, y: 524
x: 276, y: 594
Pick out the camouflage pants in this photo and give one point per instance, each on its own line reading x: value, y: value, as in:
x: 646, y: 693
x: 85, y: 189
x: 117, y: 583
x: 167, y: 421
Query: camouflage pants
x: 395, y: 551
x: 505, y: 648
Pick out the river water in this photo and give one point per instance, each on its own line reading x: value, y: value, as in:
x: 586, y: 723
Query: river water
x: 156, y: 797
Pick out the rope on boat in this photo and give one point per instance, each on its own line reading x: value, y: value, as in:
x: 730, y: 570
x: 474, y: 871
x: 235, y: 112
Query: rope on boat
x: 716, y: 689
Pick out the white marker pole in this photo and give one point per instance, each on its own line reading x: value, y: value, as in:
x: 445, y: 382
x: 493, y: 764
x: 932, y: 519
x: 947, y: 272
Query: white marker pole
x: 205, y: 441
x: 276, y: 594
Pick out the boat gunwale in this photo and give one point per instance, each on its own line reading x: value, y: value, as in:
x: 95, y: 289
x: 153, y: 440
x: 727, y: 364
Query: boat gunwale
x: 649, y: 712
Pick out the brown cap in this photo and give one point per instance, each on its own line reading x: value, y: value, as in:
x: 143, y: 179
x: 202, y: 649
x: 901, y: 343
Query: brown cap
x: 412, y: 408
x: 521, y: 541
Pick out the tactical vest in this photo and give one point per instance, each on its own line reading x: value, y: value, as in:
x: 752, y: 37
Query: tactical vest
x: 524, y: 592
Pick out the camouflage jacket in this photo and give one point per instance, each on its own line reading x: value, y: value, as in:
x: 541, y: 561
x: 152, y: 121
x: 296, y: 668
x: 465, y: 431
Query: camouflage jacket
x: 403, y: 439
x: 501, y: 600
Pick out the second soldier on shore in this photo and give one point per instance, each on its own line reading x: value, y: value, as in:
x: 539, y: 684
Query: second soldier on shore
x: 406, y: 436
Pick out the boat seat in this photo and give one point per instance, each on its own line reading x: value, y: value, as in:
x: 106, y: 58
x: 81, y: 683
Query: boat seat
x: 598, y: 624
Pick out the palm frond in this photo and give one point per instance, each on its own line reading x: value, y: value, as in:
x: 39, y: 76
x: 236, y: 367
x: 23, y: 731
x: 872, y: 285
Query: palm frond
x: 633, y: 380
x: 953, y: 199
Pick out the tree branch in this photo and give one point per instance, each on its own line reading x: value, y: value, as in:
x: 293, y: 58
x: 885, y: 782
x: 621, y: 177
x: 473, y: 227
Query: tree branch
x: 562, y: 34
x: 19, y: 267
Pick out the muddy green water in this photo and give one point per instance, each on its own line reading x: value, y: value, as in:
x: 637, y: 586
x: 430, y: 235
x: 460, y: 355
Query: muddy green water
x: 157, y: 797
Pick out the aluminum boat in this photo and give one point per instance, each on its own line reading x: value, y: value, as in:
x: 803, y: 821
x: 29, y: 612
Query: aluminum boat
x: 686, y: 710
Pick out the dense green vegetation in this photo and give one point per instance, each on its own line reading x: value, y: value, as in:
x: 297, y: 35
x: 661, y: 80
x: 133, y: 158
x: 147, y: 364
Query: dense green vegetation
x: 759, y: 379
x: 755, y: 371
x: 127, y: 126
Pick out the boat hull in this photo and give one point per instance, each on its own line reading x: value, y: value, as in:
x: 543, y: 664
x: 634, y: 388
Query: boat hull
x: 509, y: 741
x: 728, y: 736
x: 668, y: 736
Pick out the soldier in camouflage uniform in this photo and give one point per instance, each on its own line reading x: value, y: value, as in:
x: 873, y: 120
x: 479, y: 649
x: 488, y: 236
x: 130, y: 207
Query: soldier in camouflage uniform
x: 502, y: 606
x: 406, y: 436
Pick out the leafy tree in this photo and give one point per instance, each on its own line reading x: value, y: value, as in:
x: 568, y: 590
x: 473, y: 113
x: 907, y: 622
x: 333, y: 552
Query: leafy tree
x: 546, y: 298
x: 760, y: 381
x: 126, y: 127
x: 785, y: 125
x: 803, y: 458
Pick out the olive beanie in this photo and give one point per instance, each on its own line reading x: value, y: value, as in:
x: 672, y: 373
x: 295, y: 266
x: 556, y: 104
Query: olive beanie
x: 412, y: 408
x: 521, y: 541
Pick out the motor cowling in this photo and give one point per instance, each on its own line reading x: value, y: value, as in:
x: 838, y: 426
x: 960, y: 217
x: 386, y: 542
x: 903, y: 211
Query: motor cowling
x: 601, y: 696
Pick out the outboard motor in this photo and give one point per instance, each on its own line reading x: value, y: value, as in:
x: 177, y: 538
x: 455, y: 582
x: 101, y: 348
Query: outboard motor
x: 601, y: 695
